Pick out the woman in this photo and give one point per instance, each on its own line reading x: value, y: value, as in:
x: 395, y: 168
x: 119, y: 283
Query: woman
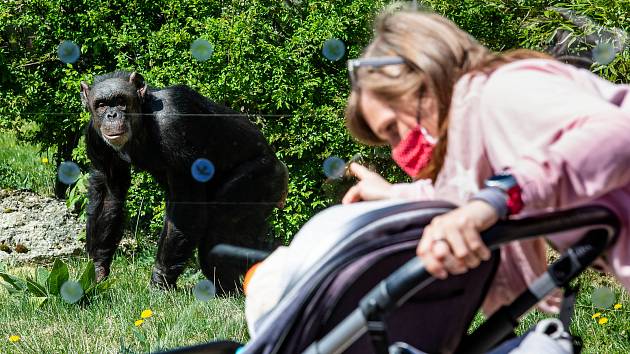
x: 498, y: 134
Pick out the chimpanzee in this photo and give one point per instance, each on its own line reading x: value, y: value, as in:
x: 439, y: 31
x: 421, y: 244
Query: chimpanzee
x: 164, y: 131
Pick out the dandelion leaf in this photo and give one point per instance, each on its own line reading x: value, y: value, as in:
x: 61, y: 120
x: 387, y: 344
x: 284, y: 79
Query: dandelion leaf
x: 100, y: 287
x: 104, y: 285
x: 88, y: 277
x: 12, y: 284
x: 139, y: 335
x: 35, y: 288
x: 41, y: 275
x: 58, y: 275
x: 38, y: 301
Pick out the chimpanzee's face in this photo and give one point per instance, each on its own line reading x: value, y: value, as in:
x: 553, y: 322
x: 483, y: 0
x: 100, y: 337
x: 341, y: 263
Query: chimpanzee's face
x: 115, y: 105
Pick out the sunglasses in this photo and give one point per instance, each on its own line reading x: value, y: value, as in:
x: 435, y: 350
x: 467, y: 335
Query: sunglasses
x: 375, y: 62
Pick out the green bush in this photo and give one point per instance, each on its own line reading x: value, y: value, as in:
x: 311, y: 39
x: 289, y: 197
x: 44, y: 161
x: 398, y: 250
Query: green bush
x: 267, y: 63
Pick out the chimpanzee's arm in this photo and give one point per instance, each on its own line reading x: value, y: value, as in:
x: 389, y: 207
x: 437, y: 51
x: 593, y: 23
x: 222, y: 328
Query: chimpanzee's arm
x: 109, y: 181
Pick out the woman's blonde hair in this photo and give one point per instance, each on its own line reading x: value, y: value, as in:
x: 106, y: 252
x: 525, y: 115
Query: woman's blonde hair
x: 437, y: 53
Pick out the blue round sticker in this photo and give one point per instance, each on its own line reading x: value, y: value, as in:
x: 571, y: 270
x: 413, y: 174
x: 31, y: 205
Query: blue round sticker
x: 204, y: 290
x: 334, y: 49
x: 69, y: 172
x: 68, y: 52
x: 603, y: 297
x: 334, y: 167
x: 71, y: 291
x: 201, y: 49
x: 202, y: 170
x: 604, y: 53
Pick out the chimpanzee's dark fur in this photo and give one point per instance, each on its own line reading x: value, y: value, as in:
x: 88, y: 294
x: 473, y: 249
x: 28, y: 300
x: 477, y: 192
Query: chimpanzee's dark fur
x: 163, y: 132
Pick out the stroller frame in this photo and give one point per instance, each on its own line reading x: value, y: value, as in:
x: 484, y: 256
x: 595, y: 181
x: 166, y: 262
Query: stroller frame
x: 412, y: 277
x: 399, y: 286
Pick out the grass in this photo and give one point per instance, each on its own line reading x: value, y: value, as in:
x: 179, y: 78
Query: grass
x: 610, y: 337
x: 106, y: 324
x: 21, y: 166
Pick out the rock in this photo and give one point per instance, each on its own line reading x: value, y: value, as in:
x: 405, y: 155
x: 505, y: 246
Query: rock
x: 5, y: 248
x: 20, y: 248
x: 37, y: 227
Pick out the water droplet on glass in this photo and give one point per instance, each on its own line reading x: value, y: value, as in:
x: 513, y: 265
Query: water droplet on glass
x: 202, y: 170
x: 334, y: 49
x: 334, y: 167
x: 204, y: 290
x: 71, y: 291
x: 603, y: 297
x: 201, y: 49
x: 69, y: 172
x: 604, y: 53
x: 68, y: 52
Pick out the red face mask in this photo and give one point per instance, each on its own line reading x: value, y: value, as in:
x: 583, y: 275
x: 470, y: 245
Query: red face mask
x: 414, y: 152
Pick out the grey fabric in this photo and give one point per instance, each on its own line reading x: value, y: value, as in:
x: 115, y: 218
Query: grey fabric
x: 496, y: 198
x: 548, y: 337
x: 350, y: 234
x: 453, y: 302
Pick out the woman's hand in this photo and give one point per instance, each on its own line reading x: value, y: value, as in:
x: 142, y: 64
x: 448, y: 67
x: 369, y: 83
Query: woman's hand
x: 371, y: 186
x: 451, y: 243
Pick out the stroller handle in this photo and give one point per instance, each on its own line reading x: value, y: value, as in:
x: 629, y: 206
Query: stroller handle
x: 230, y: 252
x: 413, y: 276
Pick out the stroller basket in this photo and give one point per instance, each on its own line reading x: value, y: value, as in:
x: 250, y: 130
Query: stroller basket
x: 364, y: 240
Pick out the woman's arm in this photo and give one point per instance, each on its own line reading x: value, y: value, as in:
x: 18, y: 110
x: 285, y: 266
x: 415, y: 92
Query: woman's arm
x: 372, y: 186
x: 564, y: 144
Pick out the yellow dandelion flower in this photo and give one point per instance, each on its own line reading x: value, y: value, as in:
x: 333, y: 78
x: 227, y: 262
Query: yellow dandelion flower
x: 602, y: 320
x: 596, y: 315
x: 617, y: 306
x: 14, y: 338
x: 138, y: 323
x: 44, y: 160
x: 146, y: 313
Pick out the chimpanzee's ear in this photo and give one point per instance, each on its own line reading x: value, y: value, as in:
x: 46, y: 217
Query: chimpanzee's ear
x: 138, y: 81
x: 142, y: 91
x: 85, y: 91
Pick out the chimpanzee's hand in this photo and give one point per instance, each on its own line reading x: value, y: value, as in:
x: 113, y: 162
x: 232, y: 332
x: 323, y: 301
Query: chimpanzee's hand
x: 371, y: 186
x: 451, y: 243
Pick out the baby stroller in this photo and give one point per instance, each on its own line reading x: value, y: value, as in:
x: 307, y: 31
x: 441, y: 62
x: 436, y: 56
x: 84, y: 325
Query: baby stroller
x: 366, y: 292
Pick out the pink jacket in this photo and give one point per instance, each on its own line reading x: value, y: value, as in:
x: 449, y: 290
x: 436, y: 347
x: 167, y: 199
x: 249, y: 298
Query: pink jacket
x: 565, y: 135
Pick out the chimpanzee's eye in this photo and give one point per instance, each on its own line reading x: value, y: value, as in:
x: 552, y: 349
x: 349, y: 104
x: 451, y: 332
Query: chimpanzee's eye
x: 120, y: 102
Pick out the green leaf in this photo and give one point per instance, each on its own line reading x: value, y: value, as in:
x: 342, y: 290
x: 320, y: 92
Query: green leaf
x: 88, y: 277
x: 37, y: 300
x: 10, y: 288
x: 58, y: 275
x: 104, y: 285
x: 42, y: 275
x: 139, y: 335
x: 35, y: 288
x: 100, y: 287
x: 13, y: 284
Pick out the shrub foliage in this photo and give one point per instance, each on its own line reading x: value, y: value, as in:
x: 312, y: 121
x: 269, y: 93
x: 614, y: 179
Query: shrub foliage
x: 267, y: 63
